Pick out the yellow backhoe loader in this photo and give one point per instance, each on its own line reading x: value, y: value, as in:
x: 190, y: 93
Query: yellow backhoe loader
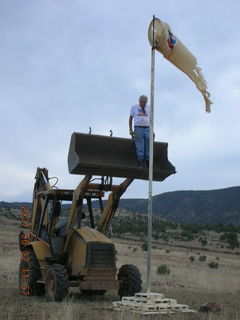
x: 59, y: 251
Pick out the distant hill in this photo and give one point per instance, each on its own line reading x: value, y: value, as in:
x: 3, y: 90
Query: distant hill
x: 14, y: 205
x: 18, y: 205
x: 196, y: 207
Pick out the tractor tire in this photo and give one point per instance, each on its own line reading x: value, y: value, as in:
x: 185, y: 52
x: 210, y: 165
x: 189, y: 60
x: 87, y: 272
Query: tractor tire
x: 130, y: 281
x: 29, y: 273
x: 56, y: 282
x: 91, y: 293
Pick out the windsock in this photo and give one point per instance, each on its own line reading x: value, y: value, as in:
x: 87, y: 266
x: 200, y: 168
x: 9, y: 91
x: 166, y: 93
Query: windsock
x: 174, y: 51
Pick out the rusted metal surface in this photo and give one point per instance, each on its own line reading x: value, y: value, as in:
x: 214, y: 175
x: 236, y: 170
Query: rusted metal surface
x: 115, y: 157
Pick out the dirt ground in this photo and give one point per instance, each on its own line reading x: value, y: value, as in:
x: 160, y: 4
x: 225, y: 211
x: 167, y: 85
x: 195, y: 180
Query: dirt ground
x: 190, y: 283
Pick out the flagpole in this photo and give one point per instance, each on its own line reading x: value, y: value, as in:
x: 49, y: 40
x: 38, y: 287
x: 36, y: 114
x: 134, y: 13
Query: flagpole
x: 149, y: 257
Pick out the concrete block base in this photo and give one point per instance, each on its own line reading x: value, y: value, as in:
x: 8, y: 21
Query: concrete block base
x: 150, y: 303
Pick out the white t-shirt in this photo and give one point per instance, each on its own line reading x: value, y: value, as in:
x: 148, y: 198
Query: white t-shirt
x: 141, y: 116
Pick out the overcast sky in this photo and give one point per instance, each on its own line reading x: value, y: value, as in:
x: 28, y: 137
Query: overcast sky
x: 66, y: 65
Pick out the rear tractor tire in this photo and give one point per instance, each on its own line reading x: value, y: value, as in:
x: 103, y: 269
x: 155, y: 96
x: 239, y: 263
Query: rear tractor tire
x: 130, y: 282
x: 56, y: 282
x: 29, y: 273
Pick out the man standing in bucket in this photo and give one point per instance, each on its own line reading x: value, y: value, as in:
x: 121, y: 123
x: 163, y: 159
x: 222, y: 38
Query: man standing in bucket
x: 141, y: 115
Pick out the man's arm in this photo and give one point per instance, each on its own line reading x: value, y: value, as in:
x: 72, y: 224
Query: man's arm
x: 130, y: 126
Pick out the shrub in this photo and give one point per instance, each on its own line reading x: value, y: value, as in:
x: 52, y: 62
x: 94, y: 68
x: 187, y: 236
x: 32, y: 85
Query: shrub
x: 202, y: 258
x: 144, y: 246
x: 187, y: 235
x: 213, y: 265
x: 231, y: 238
x: 192, y: 228
x: 167, y: 251
x: 203, y: 241
x: 163, y: 270
x: 191, y: 259
x: 164, y: 236
x: 155, y: 236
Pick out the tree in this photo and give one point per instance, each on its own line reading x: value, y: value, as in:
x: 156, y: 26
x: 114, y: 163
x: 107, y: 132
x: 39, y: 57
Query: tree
x: 203, y: 241
x: 231, y: 238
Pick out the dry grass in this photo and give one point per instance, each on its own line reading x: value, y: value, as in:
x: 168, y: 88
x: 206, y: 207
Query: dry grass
x: 190, y: 283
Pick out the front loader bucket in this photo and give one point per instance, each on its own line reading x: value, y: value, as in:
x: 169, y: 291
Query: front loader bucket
x: 115, y: 157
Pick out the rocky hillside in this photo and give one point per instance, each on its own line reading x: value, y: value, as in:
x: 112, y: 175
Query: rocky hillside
x: 198, y: 207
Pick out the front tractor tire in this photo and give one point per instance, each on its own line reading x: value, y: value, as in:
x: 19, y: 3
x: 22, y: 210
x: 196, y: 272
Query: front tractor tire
x: 29, y: 273
x: 130, y: 281
x: 56, y: 282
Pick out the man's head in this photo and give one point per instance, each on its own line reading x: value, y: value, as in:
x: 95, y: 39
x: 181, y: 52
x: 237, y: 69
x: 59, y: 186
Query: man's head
x: 143, y: 101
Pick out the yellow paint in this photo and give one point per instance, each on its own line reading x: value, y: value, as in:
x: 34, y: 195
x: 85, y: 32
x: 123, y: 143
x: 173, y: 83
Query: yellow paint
x: 40, y: 249
x: 78, y: 252
x: 92, y: 235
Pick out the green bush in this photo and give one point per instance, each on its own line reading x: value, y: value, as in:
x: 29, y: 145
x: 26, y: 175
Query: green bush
x: 191, y: 259
x: 202, y: 258
x: 164, y: 236
x: 192, y: 228
x: 203, y: 241
x: 163, y: 270
x: 155, y: 236
x: 231, y: 238
x: 144, y: 246
x: 213, y: 265
x: 187, y: 235
x: 226, y: 228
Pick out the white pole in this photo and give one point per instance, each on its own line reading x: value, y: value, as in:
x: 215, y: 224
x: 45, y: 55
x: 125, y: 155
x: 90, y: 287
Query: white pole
x: 149, y: 258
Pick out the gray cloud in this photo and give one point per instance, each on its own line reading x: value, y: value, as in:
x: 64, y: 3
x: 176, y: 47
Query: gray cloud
x: 65, y: 66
